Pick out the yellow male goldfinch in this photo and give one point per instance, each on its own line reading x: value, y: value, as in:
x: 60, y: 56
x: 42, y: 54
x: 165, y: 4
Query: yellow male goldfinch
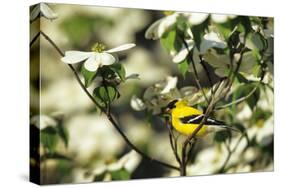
x: 186, y: 119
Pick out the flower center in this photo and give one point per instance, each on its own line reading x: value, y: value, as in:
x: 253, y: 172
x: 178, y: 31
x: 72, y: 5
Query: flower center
x: 168, y: 12
x: 98, y: 47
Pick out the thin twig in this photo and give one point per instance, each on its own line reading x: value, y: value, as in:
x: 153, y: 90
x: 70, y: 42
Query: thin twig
x: 52, y: 43
x: 192, y: 145
x: 173, y: 143
x: 202, y: 62
x: 230, y: 152
x: 238, y: 100
x: 196, y: 76
x: 109, y: 116
x: 34, y: 39
x: 198, y: 128
x: 245, y: 97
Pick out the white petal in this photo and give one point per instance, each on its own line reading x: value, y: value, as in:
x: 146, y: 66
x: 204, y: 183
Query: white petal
x: 179, y: 57
x: 166, y: 24
x: 189, y: 32
x: 72, y: 57
x: 92, y: 64
x: 115, y: 166
x: 133, y: 76
x: 219, y: 18
x: 197, y: 18
x: 171, y: 83
x: 137, y: 104
x: 151, y: 32
x: 268, y: 33
x: 47, y: 12
x: 231, y: 16
x: 43, y: 121
x: 121, y: 48
x: 35, y: 12
x: 158, y: 28
x: 211, y: 40
x: 133, y: 161
x: 105, y: 58
x: 184, y: 14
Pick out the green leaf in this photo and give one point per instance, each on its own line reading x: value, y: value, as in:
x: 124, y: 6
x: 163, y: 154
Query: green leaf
x: 183, y: 67
x: 224, y: 30
x: 245, y: 90
x: 181, y: 24
x: 252, y: 101
x: 81, y: 27
x: 261, y: 114
x: 171, y: 41
x: 49, y: 130
x: 198, y: 32
x: 49, y: 138
x: 222, y: 136
x: 234, y: 38
x: 106, y: 93
x: 239, y: 126
x: 119, y: 69
x: 168, y: 40
x: 100, y: 177
x: 88, y: 76
x: 241, y: 78
x: 256, y: 42
x: 63, y: 133
x: 56, y: 156
x: 121, y: 174
x: 246, y: 23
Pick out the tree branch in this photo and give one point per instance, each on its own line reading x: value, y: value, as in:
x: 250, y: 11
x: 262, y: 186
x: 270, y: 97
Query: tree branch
x: 34, y: 39
x: 188, y: 140
x: 230, y: 152
x: 109, y: 116
x: 238, y: 100
x: 202, y: 62
x: 173, y: 143
x: 196, y: 76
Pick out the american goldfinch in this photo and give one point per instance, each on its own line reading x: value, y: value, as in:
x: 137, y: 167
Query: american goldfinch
x: 186, y: 119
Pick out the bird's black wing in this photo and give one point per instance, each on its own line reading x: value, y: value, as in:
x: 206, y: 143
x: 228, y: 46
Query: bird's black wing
x: 196, y: 119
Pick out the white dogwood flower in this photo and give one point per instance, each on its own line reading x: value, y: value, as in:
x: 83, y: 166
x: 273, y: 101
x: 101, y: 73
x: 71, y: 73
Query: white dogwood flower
x: 95, y: 59
x: 210, y: 40
x: 43, y: 121
x: 221, y: 18
x: 182, y: 54
x: 156, y: 96
x: 171, y: 83
x: 42, y: 9
x: 137, y: 103
x: 159, y: 27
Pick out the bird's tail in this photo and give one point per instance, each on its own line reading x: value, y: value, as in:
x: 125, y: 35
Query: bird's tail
x: 221, y: 124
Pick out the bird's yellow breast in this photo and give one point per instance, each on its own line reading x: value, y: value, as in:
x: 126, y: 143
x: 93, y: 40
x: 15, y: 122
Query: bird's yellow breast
x: 186, y: 129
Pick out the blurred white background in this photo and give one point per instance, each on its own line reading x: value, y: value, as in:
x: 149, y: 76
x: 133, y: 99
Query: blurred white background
x: 14, y: 94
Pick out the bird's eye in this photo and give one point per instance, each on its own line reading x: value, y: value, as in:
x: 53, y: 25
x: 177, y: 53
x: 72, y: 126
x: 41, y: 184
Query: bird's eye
x: 172, y: 104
